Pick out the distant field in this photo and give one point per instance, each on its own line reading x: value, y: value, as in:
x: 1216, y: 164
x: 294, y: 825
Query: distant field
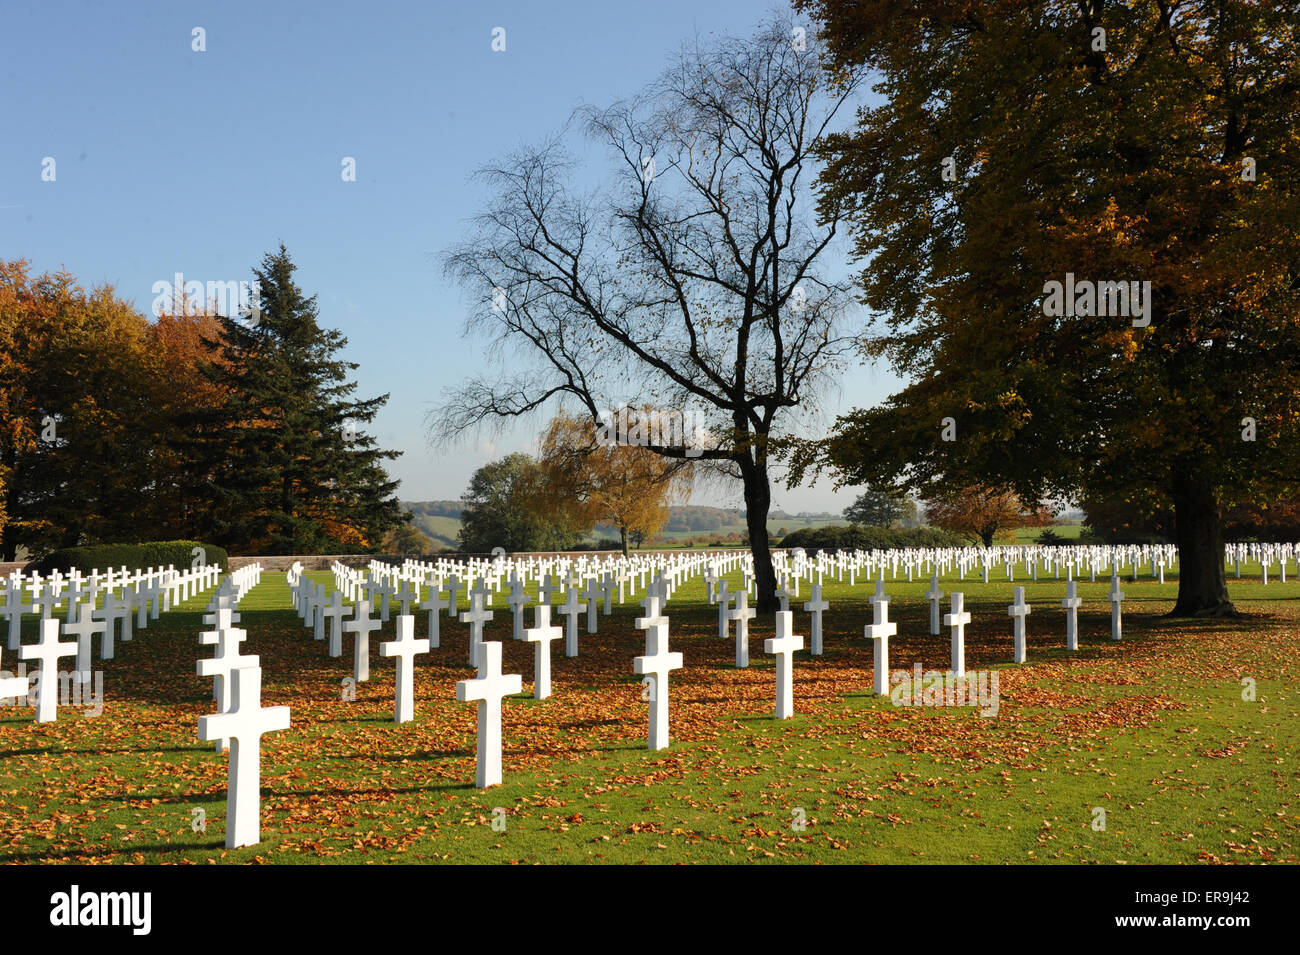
x: 789, y: 524
x: 444, y: 530
x: 440, y: 530
x: 1027, y: 535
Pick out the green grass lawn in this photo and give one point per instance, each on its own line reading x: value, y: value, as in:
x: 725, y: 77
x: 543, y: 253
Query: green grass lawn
x: 1154, y: 731
x: 1028, y: 535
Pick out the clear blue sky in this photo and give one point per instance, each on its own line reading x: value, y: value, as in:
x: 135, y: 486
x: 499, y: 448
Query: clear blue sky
x: 200, y: 162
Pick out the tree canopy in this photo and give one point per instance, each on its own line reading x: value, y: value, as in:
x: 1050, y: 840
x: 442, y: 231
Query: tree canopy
x: 591, y: 480
x: 118, y: 429
x: 495, y: 512
x: 1019, y: 144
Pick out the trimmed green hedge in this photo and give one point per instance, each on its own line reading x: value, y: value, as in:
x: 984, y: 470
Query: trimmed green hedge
x: 131, y: 556
x: 858, y: 537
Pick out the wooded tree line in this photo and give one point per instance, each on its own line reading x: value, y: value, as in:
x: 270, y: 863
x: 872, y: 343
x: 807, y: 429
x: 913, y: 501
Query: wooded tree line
x: 240, y: 431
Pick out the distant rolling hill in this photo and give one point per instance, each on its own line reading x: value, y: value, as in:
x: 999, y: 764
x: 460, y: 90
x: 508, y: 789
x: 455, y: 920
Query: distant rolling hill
x: 437, y: 520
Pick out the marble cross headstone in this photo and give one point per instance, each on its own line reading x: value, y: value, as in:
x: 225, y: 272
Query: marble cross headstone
x: 653, y: 605
x: 1116, y: 598
x: 434, y: 603
x: 385, y: 590
x: 333, y: 612
x: 488, y: 689
x: 655, y: 666
x: 518, y: 600
x: 227, y: 660
x: 878, y: 632
x: 362, y: 625
x: 407, y: 594
x: 541, y: 636
x: 815, y: 606
x: 244, y: 726
x: 85, y: 627
x: 934, y: 595
x: 14, y: 610
x: 1018, y: 611
x: 405, y: 647
x: 47, y: 652
x: 957, y: 620
x: 571, y: 609
x: 1071, y: 603
x: 783, y: 645
x: 476, y: 616
x: 784, y: 593
x: 724, y: 599
x: 592, y: 593
x: 453, y: 588
x: 45, y: 599
x: 742, y: 614
x: 607, y: 592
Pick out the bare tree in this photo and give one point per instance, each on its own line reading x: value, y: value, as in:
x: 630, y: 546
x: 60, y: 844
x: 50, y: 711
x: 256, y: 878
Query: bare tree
x: 686, y: 281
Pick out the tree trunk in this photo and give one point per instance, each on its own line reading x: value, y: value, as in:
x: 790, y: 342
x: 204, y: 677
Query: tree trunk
x: 758, y: 500
x: 1198, y: 531
x: 622, y: 533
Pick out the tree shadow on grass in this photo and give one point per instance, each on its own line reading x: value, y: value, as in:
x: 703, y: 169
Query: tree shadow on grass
x: 377, y: 793
x: 55, y: 855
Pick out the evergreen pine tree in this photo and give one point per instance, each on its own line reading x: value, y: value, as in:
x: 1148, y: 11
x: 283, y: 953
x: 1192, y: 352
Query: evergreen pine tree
x: 283, y: 465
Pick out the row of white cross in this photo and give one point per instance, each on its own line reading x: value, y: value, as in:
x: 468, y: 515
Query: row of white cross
x: 143, y: 592
x: 241, y: 720
x: 147, y: 593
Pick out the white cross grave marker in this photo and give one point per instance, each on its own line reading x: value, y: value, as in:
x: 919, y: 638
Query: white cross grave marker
x: 405, y: 647
x: 518, y: 600
x: 958, y: 620
x: 1071, y: 603
x: 244, y: 726
x: 47, y: 652
x: 434, y: 603
x: 783, y: 645
x: 1018, y: 611
x: 934, y: 595
x: 878, y: 632
x: 655, y: 666
x: 541, y: 636
x: 14, y: 610
x: 742, y: 614
x: 488, y: 689
x: 333, y: 613
x: 85, y: 627
x: 227, y: 660
x: 571, y: 609
x: 1116, y: 598
x: 815, y: 606
x: 363, y: 625
x: 476, y: 616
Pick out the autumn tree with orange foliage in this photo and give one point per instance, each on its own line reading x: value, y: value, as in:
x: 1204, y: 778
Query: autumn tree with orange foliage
x: 982, y: 513
x: 79, y: 414
x: 115, y: 428
x: 1019, y: 142
x: 592, y: 479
